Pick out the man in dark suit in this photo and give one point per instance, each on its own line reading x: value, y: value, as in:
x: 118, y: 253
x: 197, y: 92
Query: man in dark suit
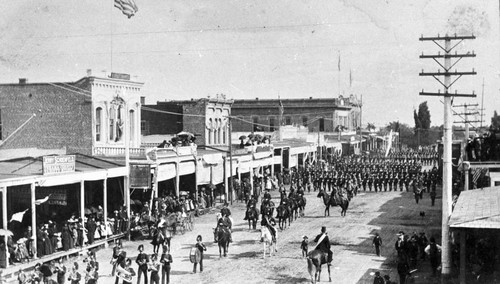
x: 324, y: 244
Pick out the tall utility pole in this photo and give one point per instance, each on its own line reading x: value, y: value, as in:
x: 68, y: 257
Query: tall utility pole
x: 447, y: 139
x: 465, y: 116
x: 361, y: 125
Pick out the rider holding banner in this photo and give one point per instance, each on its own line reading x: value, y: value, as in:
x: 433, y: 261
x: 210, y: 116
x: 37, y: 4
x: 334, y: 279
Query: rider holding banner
x: 324, y: 244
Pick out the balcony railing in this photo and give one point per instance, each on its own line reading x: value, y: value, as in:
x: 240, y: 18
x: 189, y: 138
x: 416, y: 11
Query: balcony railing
x: 143, y: 152
x: 119, y: 152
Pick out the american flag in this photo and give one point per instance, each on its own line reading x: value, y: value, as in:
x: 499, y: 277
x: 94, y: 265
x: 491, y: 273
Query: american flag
x: 128, y: 7
x: 477, y: 173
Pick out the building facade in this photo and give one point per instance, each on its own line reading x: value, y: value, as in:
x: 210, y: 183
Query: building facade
x: 323, y: 115
x: 80, y: 116
x: 206, y: 118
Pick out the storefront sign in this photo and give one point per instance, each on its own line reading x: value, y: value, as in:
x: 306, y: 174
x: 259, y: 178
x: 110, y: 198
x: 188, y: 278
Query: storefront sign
x: 140, y: 176
x: 58, y: 164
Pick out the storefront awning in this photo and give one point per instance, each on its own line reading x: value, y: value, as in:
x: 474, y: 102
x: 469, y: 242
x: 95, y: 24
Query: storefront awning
x: 166, y: 172
x: 187, y: 168
x: 213, y: 159
x: 477, y: 209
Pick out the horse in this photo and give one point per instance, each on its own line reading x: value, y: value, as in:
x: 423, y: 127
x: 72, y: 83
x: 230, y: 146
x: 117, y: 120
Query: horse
x: 301, y: 203
x: 315, y: 259
x: 221, y: 237
x: 326, y: 200
x: 293, y: 207
x: 158, y: 239
x: 336, y: 199
x: 252, y: 217
x: 268, y: 241
x: 283, y: 213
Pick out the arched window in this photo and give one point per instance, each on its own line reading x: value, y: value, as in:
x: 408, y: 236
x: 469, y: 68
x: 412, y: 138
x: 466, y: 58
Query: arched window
x: 98, y: 122
x: 112, y: 114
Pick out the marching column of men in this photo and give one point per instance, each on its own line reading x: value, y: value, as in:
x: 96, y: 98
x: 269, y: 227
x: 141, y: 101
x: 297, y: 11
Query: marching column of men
x: 394, y: 172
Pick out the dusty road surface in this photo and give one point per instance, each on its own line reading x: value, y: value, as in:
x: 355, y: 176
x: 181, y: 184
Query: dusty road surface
x: 354, y: 257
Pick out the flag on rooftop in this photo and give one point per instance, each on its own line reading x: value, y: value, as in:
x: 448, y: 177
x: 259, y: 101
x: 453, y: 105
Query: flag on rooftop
x: 128, y: 7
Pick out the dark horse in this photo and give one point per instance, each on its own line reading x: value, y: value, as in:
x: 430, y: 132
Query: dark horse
x: 334, y: 200
x: 253, y: 216
x: 301, y: 203
x: 293, y: 207
x: 221, y: 237
x: 283, y: 213
x: 315, y: 259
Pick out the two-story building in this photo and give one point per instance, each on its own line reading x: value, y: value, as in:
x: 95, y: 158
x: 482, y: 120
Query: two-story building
x: 318, y: 115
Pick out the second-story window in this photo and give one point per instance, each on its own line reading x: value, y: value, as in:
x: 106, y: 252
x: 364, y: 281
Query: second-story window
x: 98, y: 122
x: 288, y: 120
x: 321, y: 124
x: 304, y: 120
x: 255, y: 123
x: 271, y: 124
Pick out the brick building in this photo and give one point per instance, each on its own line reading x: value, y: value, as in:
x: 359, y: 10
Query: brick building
x: 324, y: 115
x: 78, y: 116
x: 206, y: 118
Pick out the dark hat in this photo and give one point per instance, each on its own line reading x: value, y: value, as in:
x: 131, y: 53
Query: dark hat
x: 401, y: 233
x: 377, y: 273
x: 323, y: 229
x: 387, y: 277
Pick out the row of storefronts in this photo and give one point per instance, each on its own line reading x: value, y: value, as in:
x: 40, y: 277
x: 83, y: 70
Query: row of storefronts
x: 57, y: 191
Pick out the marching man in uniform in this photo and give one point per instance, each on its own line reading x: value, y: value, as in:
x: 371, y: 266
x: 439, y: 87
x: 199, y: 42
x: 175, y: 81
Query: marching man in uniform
x: 324, y: 244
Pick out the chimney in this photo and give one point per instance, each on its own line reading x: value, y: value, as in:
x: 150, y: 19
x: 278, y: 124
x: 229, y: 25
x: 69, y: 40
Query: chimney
x: 89, y: 72
x: 143, y: 100
x: 23, y: 81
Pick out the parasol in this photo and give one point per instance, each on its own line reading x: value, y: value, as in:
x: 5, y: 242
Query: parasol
x: 4, y: 232
x: 87, y: 211
x: 185, y: 133
x: 136, y: 202
x: 183, y: 193
x: 242, y: 137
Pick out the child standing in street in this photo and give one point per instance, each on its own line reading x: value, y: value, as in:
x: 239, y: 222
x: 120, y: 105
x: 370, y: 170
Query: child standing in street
x: 304, y: 246
x: 201, y: 247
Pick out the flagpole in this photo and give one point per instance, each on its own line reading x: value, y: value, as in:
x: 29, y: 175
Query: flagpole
x: 339, y: 74
x: 111, y: 34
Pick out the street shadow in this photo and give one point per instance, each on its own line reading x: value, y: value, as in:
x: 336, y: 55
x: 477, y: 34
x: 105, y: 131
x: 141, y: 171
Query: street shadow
x: 287, y: 279
x: 313, y: 217
x: 248, y: 254
x: 179, y: 272
x: 400, y: 213
x: 244, y: 242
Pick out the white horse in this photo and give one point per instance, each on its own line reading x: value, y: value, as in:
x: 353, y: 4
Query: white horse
x: 267, y: 238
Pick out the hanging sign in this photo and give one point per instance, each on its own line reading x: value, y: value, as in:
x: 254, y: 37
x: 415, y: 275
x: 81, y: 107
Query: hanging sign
x: 58, y: 164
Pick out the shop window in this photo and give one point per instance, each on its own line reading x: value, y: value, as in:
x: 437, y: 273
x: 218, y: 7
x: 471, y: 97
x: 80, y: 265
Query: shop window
x: 288, y: 120
x: 98, y: 123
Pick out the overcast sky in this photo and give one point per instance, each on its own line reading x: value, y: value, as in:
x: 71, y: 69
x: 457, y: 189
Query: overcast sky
x: 185, y: 49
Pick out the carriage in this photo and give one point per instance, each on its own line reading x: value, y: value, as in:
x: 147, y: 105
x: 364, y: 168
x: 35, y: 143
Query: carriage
x: 178, y: 222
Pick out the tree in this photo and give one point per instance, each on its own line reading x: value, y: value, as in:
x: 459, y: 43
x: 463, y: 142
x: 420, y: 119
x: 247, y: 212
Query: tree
x: 406, y: 135
x: 370, y: 126
x: 422, y: 124
x: 495, y: 120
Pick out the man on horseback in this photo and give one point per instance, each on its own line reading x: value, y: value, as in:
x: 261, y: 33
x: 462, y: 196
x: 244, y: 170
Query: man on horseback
x: 324, y: 244
x: 269, y: 222
x: 250, y: 205
x: 224, y: 223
